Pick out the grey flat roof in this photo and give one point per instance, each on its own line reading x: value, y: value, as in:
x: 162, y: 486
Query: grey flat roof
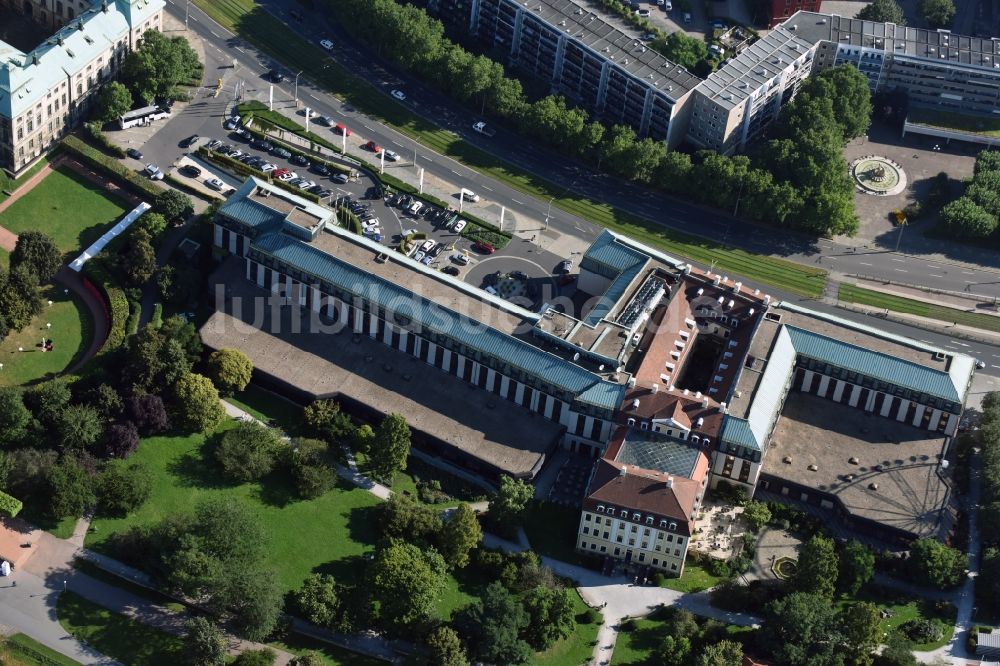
x: 940, y: 45
x: 587, y: 27
x: 753, y: 67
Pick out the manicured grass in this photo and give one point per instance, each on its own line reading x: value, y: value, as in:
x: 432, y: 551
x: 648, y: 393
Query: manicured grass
x: 695, y: 579
x: 26, y: 650
x: 904, y: 609
x: 638, y: 647
x: 552, y: 530
x: 578, y: 647
x: 270, y: 408
x: 855, y: 294
x: 13, y: 185
x: 955, y: 121
x: 121, y: 638
x: 332, y: 655
x: 329, y: 535
x: 262, y: 29
x: 71, y: 329
x: 71, y: 209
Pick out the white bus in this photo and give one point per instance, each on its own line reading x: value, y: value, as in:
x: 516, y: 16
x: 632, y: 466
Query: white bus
x: 143, y: 116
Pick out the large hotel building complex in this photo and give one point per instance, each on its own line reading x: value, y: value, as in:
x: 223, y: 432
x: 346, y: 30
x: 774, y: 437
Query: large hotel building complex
x: 673, y: 379
x: 48, y: 89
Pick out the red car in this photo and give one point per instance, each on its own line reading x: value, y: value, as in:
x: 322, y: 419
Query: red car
x: 278, y: 172
x: 343, y: 129
x: 485, y: 248
x: 374, y: 147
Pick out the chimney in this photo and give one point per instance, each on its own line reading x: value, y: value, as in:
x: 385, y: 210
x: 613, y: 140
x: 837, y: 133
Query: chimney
x: 670, y: 482
x: 623, y: 471
x: 655, y: 388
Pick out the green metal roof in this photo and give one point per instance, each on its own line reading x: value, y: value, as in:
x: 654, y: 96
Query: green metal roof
x: 626, y: 262
x: 737, y: 431
x: 874, y: 364
x: 547, y: 367
x: 251, y: 213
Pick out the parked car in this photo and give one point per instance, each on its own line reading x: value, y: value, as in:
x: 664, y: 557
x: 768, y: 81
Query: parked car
x: 687, y: 17
x: 372, y: 146
x: 459, y: 258
x: 419, y: 256
x: 399, y: 94
x: 391, y: 155
x: 231, y: 123
x: 153, y: 172
x: 667, y: 5
x: 341, y: 128
x: 296, y: 181
x: 323, y: 193
x: 267, y: 167
x: 459, y: 226
x: 190, y: 170
x: 320, y: 168
x: 469, y: 195
x: 134, y: 154
x: 261, y: 144
x: 326, y: 120
x: 280, y: 172
x: 410, y: 232
x: 427, y: 260
x: 190, y: 141
x: 281, y: 152
x: 483, y: 128
x: 213, y: 144
x: 288, y: 176
x: 450, y: 270
x: 306, y: 184
x: 236, y: 154
x: 299, y: 160
x: 215, y: 184
x: 275, y: 76
x: 485, y: 248
x: 427, y: 245
x: 339, y: 178
x: 326, y: 44
x: 643, y: 13
x: 565, y: 266
x: 415, y: 208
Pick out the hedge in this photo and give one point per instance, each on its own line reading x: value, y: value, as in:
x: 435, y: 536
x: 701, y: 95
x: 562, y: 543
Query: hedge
x: 135, y: 313
x: 98, y: 135
x: 141, y: 185
x: 157, y: 320
x: 10, y: 506
x: 182, y: 184
x: 114, y: 296
x: 353, y: 221
x: 495, y: 238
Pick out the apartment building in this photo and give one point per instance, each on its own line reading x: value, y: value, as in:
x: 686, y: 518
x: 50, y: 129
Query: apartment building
x: 591, y: 62
x: 731, y: 108
x: 936, y: 68
x: 50, y: 89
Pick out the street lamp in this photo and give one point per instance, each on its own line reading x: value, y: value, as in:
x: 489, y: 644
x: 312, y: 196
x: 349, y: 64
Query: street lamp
x: 297, y: 87
x: 187, y: 8
x: 547, y: 212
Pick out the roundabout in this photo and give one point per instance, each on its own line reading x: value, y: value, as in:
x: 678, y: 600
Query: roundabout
x: 877, y: 175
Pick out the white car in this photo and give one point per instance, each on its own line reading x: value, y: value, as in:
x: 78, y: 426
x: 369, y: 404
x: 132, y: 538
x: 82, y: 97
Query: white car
x: 267, y: 167
x: 415, y: 208
x: 306, y: 184
x: 459, y: 226
x: 326, y: 44
x: 427, y: 245
x: 410, y: 232
x: 153, y: 172
x: 419, y: 256
x: 215, y: 184
x: 285, y: 177
x: 469, y: 195
x: 643, y: 13
x: 459, y: 258
x: 399, y: 94
x: 391, y: 155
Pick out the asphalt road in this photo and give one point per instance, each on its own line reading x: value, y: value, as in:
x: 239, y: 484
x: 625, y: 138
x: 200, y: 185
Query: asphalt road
x: 222, y: 47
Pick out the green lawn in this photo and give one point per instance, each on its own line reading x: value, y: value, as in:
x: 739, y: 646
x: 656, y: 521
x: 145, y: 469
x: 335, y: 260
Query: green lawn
x: 332, y: 655
x: 13, y: 185
x: 855, y: 294
x: 330, y: 534
x: 29, y: 652
x: 71, y: 209
x: 271, y: 36
x: 904, y: 609
x: 270, y: 408
x: 70, y: 332
x: 117, y: 636
x: 638, y: 646
x: 578, y: 647
x: 695, y: 579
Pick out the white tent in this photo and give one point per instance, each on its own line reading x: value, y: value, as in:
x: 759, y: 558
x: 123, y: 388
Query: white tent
x: 110, y: 235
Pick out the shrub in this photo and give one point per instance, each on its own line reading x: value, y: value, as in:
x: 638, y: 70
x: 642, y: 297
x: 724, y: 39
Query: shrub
x: 922, y: 630
x: 9, y: 506
x: 135, y: 182
x: 719, y: 568
x: 121, y: 440
x: 123, y: 488
x: 99, y: 137
x: 593, y: 616
x: 627, y: 624
x: 248, y: 451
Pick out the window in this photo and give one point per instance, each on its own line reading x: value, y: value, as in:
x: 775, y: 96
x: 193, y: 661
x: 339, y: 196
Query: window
x: 636, y: 516
x: 670, y: 538
x: 644, y: 425
x: 600, y: 508
x: 604, y: 549
x: 673, y: 567
x: 586, y: 530
x: 677, y: 552
x: 605, y: 535
x: 618, y: 551
x: 649, y: 521
x: 583, y: 544
x: 620, y: 538
x: 586, y: 517
x: 607, y: 521
x: 642, y: 557
x: 656, y: 561
x: 593, y: 546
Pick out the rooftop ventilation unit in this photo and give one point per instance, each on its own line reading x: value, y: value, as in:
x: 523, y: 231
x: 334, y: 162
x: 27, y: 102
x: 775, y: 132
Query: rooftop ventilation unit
x: 655, y: 388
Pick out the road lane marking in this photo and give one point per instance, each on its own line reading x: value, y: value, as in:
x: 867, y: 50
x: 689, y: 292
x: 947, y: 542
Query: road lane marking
x: 519, y: 203
x: 902, y: 261
x: 864, y: 264
x: 487, y: 187
x: 968, y: 272
x: 900, y: 270
x: 960, y: 343
x: 215, y: 35
x: 397, y: 143
x: 240, y: 50
x: 934, y: 275
x: 933, y: 266
x: 312, y: 96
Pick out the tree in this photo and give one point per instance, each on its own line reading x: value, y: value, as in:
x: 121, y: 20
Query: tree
x: 48, y: 400
x: 550, y: 613
x: 261, y: 657
x: 390, y: 447
x: 311, y: 658
x: 185, y: 334
x: 363, y: 438
x: 937, y: 13
x: 68, y: 489
x: 757, y: 514
x: 19, y: 299
x: 933, y: 562
x: 78, y: 427
x: 817, y: 567
x: 230, y: 370
x: 253, y: 595
x: 445, y: 648
x: 15, y: 419
x: 492, y: 626
x: 139, y: 258
x: 898, y: 651
x: 883, y: 11
x: 967, y: 219
x: 848, y: 90
x: 857, y: 567
x: 325, y: 420
x: 115, y: 101
x: 404, y: 518
x: 802, y: 629
x: 153, y: 224
x: 154, y: 362
x: 197, y: 406
x: 684, y: 50
x: 159, y: 63
x: 723, y: 653
x: 407, y: 583
x: 460, y: 533
x: 312, y: 475
x: 204, y: 642
x: 38, y: 253
x: 248, y: 452
x: 147, y: 413
x: 317, y: 601
x: 120, y: 440
x: 674, y: 651
x: 123, y: 487
x: 508, y: 505
x: 174, y: 206
x: 860, y: 625
x: 106, y: 400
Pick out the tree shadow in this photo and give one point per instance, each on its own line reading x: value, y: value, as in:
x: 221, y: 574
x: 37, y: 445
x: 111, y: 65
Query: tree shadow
x: 349, y: 570
x: 277, y: 489
x: 199, y: 469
